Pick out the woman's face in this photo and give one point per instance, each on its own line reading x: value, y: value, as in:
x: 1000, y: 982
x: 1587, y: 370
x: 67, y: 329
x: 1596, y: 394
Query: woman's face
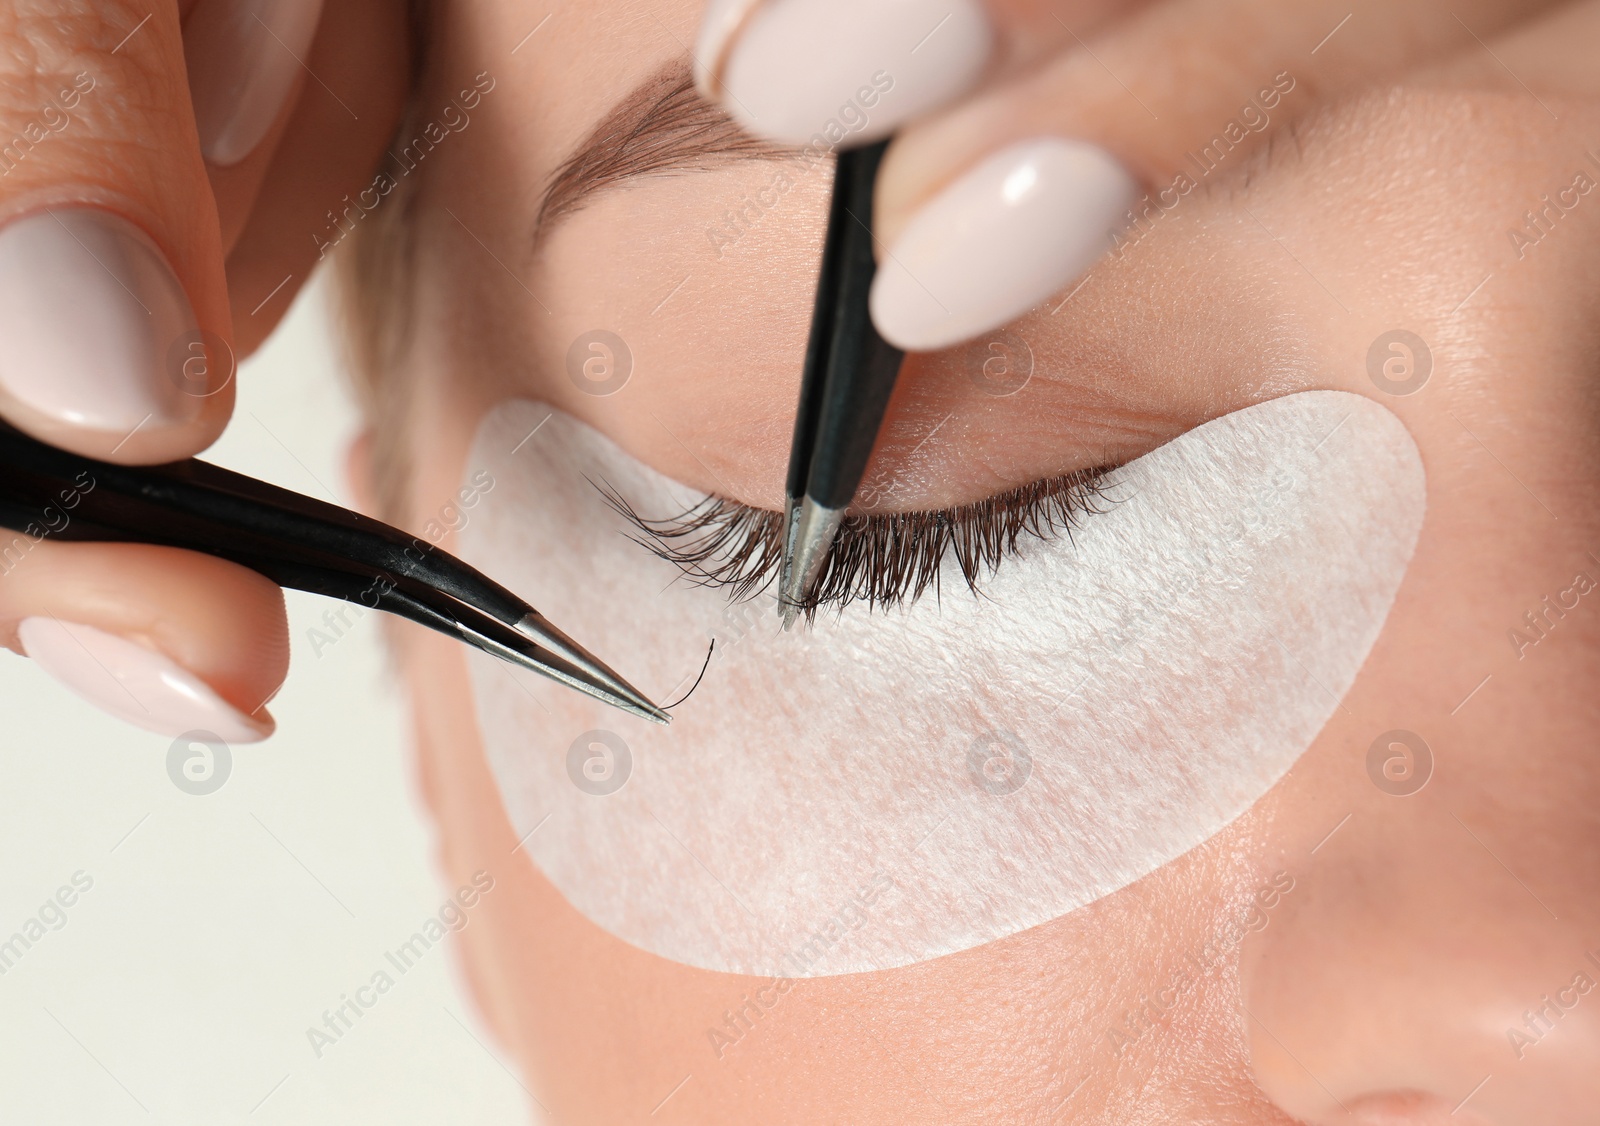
x: 1350, y: 948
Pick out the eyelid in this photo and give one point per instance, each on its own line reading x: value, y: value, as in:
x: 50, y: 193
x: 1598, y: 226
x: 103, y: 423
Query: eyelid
x: 882, y: 558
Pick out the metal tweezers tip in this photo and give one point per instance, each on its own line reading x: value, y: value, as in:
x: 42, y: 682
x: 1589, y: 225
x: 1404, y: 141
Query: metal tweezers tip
x: 590, y: 674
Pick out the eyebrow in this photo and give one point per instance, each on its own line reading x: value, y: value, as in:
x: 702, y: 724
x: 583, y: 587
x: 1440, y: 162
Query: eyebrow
x: 663, y: 125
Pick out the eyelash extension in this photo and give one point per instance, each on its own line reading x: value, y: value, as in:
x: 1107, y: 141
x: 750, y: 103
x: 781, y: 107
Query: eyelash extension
x: 882, y: 559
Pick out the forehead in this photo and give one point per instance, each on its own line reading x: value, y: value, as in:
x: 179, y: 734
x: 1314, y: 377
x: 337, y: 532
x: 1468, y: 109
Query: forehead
x: 556, y: 68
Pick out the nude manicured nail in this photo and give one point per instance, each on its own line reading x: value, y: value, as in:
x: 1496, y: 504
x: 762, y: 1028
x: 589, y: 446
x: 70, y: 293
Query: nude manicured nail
x: 849, y: 70
x: 243, y: 56
x: 134, y: 683
x: 1007, y: 235
x: 89, y: 314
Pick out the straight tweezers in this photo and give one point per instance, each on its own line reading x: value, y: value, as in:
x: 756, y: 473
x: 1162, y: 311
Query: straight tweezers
x: 297, y: 542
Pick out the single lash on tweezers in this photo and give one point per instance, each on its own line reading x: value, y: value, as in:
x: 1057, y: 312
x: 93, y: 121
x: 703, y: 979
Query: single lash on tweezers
x: 297, y: 542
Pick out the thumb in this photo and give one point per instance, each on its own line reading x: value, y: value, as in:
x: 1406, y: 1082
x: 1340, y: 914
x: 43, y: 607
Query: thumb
x: 167, y: 640
x: 113, y: 303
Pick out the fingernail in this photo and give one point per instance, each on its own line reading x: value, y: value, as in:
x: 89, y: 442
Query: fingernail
x: 1007, y: 235
x: 242, y: 58
x: 847, y: 70
x: 90, y: 312
x: 135, y: 684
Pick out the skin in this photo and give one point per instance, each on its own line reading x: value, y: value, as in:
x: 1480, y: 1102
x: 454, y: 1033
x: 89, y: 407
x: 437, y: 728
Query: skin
x: 230, y: 235
x: 1414, y: 936
x: 243, y: 239
x: 1418, y: 929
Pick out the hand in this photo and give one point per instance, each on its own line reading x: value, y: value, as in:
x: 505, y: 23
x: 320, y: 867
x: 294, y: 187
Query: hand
x: 1033, y: 134
x: 1388, y: 984
x: 166, y: 182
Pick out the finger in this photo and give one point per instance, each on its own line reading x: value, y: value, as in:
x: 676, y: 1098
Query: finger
x: 323, y: 180
x: 110, y: 267
x: 1002, y: 202
x: 244, y: 57
x: 791, y: 70
x: 167, y: 640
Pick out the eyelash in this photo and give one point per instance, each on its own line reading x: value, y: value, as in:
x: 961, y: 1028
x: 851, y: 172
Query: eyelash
x: 882, y: 559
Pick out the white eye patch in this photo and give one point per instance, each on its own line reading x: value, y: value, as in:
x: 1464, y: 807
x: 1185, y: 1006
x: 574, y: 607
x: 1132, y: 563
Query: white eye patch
x: 888, y: 787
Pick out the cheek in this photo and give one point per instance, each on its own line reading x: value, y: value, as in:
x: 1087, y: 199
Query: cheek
x: 884, y: 788
x: 667, y: 341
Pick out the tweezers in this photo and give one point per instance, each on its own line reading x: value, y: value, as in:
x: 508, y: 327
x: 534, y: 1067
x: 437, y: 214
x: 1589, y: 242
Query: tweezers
x: 845, y: 386
x: 297, y: 542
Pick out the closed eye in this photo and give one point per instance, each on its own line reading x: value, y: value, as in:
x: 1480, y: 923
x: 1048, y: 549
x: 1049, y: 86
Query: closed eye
x: 882, y: 559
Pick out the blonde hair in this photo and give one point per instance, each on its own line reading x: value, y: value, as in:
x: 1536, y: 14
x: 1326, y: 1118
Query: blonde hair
x: 373, y: 274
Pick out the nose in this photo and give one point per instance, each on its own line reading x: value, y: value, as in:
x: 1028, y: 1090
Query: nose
x: 1419, y: 976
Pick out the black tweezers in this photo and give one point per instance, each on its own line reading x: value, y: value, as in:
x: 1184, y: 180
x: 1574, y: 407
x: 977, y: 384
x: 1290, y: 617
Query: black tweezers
x: 845, y: 386
x: 295, y: 541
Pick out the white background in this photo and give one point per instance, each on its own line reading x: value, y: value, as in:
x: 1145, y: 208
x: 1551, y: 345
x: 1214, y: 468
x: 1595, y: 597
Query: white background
x: 220, y: 927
